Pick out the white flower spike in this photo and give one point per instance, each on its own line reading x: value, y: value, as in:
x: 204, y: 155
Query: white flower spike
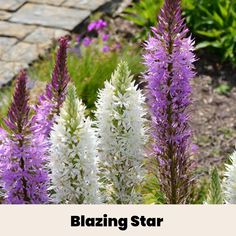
x: 73, y: 155
x: 120, y: 119
x: 230, y: 181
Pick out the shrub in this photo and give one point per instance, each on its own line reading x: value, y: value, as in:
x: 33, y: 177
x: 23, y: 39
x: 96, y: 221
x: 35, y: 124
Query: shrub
x: 213, y: 22
x: 144, y: 14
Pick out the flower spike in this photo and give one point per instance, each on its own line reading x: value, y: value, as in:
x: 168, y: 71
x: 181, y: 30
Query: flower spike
x: 169, y: 60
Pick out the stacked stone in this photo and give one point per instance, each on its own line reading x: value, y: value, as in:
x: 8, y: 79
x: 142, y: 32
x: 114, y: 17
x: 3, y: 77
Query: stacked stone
x: 28, y: 28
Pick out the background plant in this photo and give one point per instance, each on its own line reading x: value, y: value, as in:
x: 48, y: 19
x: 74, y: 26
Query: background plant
x: 213, y: 23
x: 5, y: 100
x: 144, y: 14
x: 98, y: 34
x: 91, y: 70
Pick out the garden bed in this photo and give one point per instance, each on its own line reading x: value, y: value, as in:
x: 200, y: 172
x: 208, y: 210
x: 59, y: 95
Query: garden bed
x: 213, y: 99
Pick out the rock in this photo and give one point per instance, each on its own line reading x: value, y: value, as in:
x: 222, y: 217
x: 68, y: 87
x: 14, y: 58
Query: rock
x: 42, y: 34
x: 50, y: 16
x: 48, y: 2
x: 4, y: 15
x: 21, y: 52
x: 43, y: 38
x: 8, y: 70
x: 11, y: 5
x: 15, y: 30
x: 85, y: 4
x: 5, y: 44
x: 29, y: 27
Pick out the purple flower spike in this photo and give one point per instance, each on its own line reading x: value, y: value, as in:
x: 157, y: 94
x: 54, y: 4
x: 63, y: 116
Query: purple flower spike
x: 169, y: 59
x: 106, y: 48
x: 117, y: 46
x: 105, y: 37
x: 18, y: 113
x: 50, y: 102
x: 23, y: 174
x: 102, y: 24
x: 60, y: 76
x: 87, y: 41
x: 92, y: 26
x: 97, y: 25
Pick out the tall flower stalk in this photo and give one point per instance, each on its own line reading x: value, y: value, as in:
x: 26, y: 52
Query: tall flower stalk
x: 23, y: 173
x: 73, y: 155
x: 230, y: 180
x: 169, y: 59
x: 51, y: 101
x: 121, y: 138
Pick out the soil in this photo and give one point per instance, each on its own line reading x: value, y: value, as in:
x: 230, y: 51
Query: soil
x: 213, y: 117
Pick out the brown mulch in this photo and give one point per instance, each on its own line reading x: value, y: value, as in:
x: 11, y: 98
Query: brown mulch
x: 214, y: 113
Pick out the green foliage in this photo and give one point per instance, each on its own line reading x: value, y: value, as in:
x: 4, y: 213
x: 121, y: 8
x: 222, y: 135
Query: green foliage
x: 215, y: 195
x: 223, y: 89
x: 213, y: 23
x: 199, y: 191
x: 88, y: 73
x: 144, y: 14
x: 151, y: 191
x: 5, y: 100
x: 91, y: 70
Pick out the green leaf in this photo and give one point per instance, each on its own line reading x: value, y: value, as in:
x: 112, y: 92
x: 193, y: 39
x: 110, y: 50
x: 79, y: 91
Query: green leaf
x: 223, y: 11
x: 214, y: 23
x: 215, y: 195
x: 204, y: 10
x: 218, y: 19
x: 204, y: 44
x: 144, y: 14
x: 211, y: 34
x: 223, y: 89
